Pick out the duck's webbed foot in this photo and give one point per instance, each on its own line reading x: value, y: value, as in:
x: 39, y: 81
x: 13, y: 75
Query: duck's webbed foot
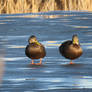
x: 32, y: 62
x: 71, y: 63
x: 40, y: 63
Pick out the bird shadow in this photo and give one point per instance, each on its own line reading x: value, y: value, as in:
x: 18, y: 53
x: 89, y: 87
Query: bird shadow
x: 36, y: 66
x: 73, y: 65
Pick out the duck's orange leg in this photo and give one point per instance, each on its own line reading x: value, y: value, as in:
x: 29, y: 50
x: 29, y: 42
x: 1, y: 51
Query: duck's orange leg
x: 32, y: 62
x: 71, y: 62
x: 40, y: 63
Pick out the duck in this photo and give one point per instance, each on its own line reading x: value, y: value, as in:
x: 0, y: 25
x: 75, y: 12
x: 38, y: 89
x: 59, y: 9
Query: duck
x: 35, y: 50
x: 71, y: 49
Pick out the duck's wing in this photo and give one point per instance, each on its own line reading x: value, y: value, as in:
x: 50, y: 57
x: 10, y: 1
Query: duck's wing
x: 66, y: 43
x: 63, y: 46
x: 42, y: 50
x: 27, y: 52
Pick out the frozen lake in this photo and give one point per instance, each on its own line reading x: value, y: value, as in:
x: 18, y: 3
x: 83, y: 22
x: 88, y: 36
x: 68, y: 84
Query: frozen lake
x: 51, y: 29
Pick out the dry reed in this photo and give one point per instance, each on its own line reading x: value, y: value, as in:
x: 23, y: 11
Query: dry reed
x: 28, y: 6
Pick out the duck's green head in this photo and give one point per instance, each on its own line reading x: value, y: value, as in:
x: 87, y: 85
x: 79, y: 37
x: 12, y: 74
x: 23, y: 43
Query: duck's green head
x: 75, y: 39
x: 33, y: 39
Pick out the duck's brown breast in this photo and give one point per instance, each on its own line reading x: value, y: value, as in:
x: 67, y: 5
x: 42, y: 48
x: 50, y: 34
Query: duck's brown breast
x: 73, y: 51
x: 35, y: 51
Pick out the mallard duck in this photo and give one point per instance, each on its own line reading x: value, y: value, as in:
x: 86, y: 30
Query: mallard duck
x: 71, y: 49
x: 35, y: 50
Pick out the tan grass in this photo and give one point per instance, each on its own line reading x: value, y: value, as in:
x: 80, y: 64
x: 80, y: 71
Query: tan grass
x: 28, y: 6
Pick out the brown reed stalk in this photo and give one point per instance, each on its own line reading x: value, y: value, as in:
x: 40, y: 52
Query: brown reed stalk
x: 28, y: 6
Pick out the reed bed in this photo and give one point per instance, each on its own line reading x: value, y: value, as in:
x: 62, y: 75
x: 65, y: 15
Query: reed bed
x: 28, y: 6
